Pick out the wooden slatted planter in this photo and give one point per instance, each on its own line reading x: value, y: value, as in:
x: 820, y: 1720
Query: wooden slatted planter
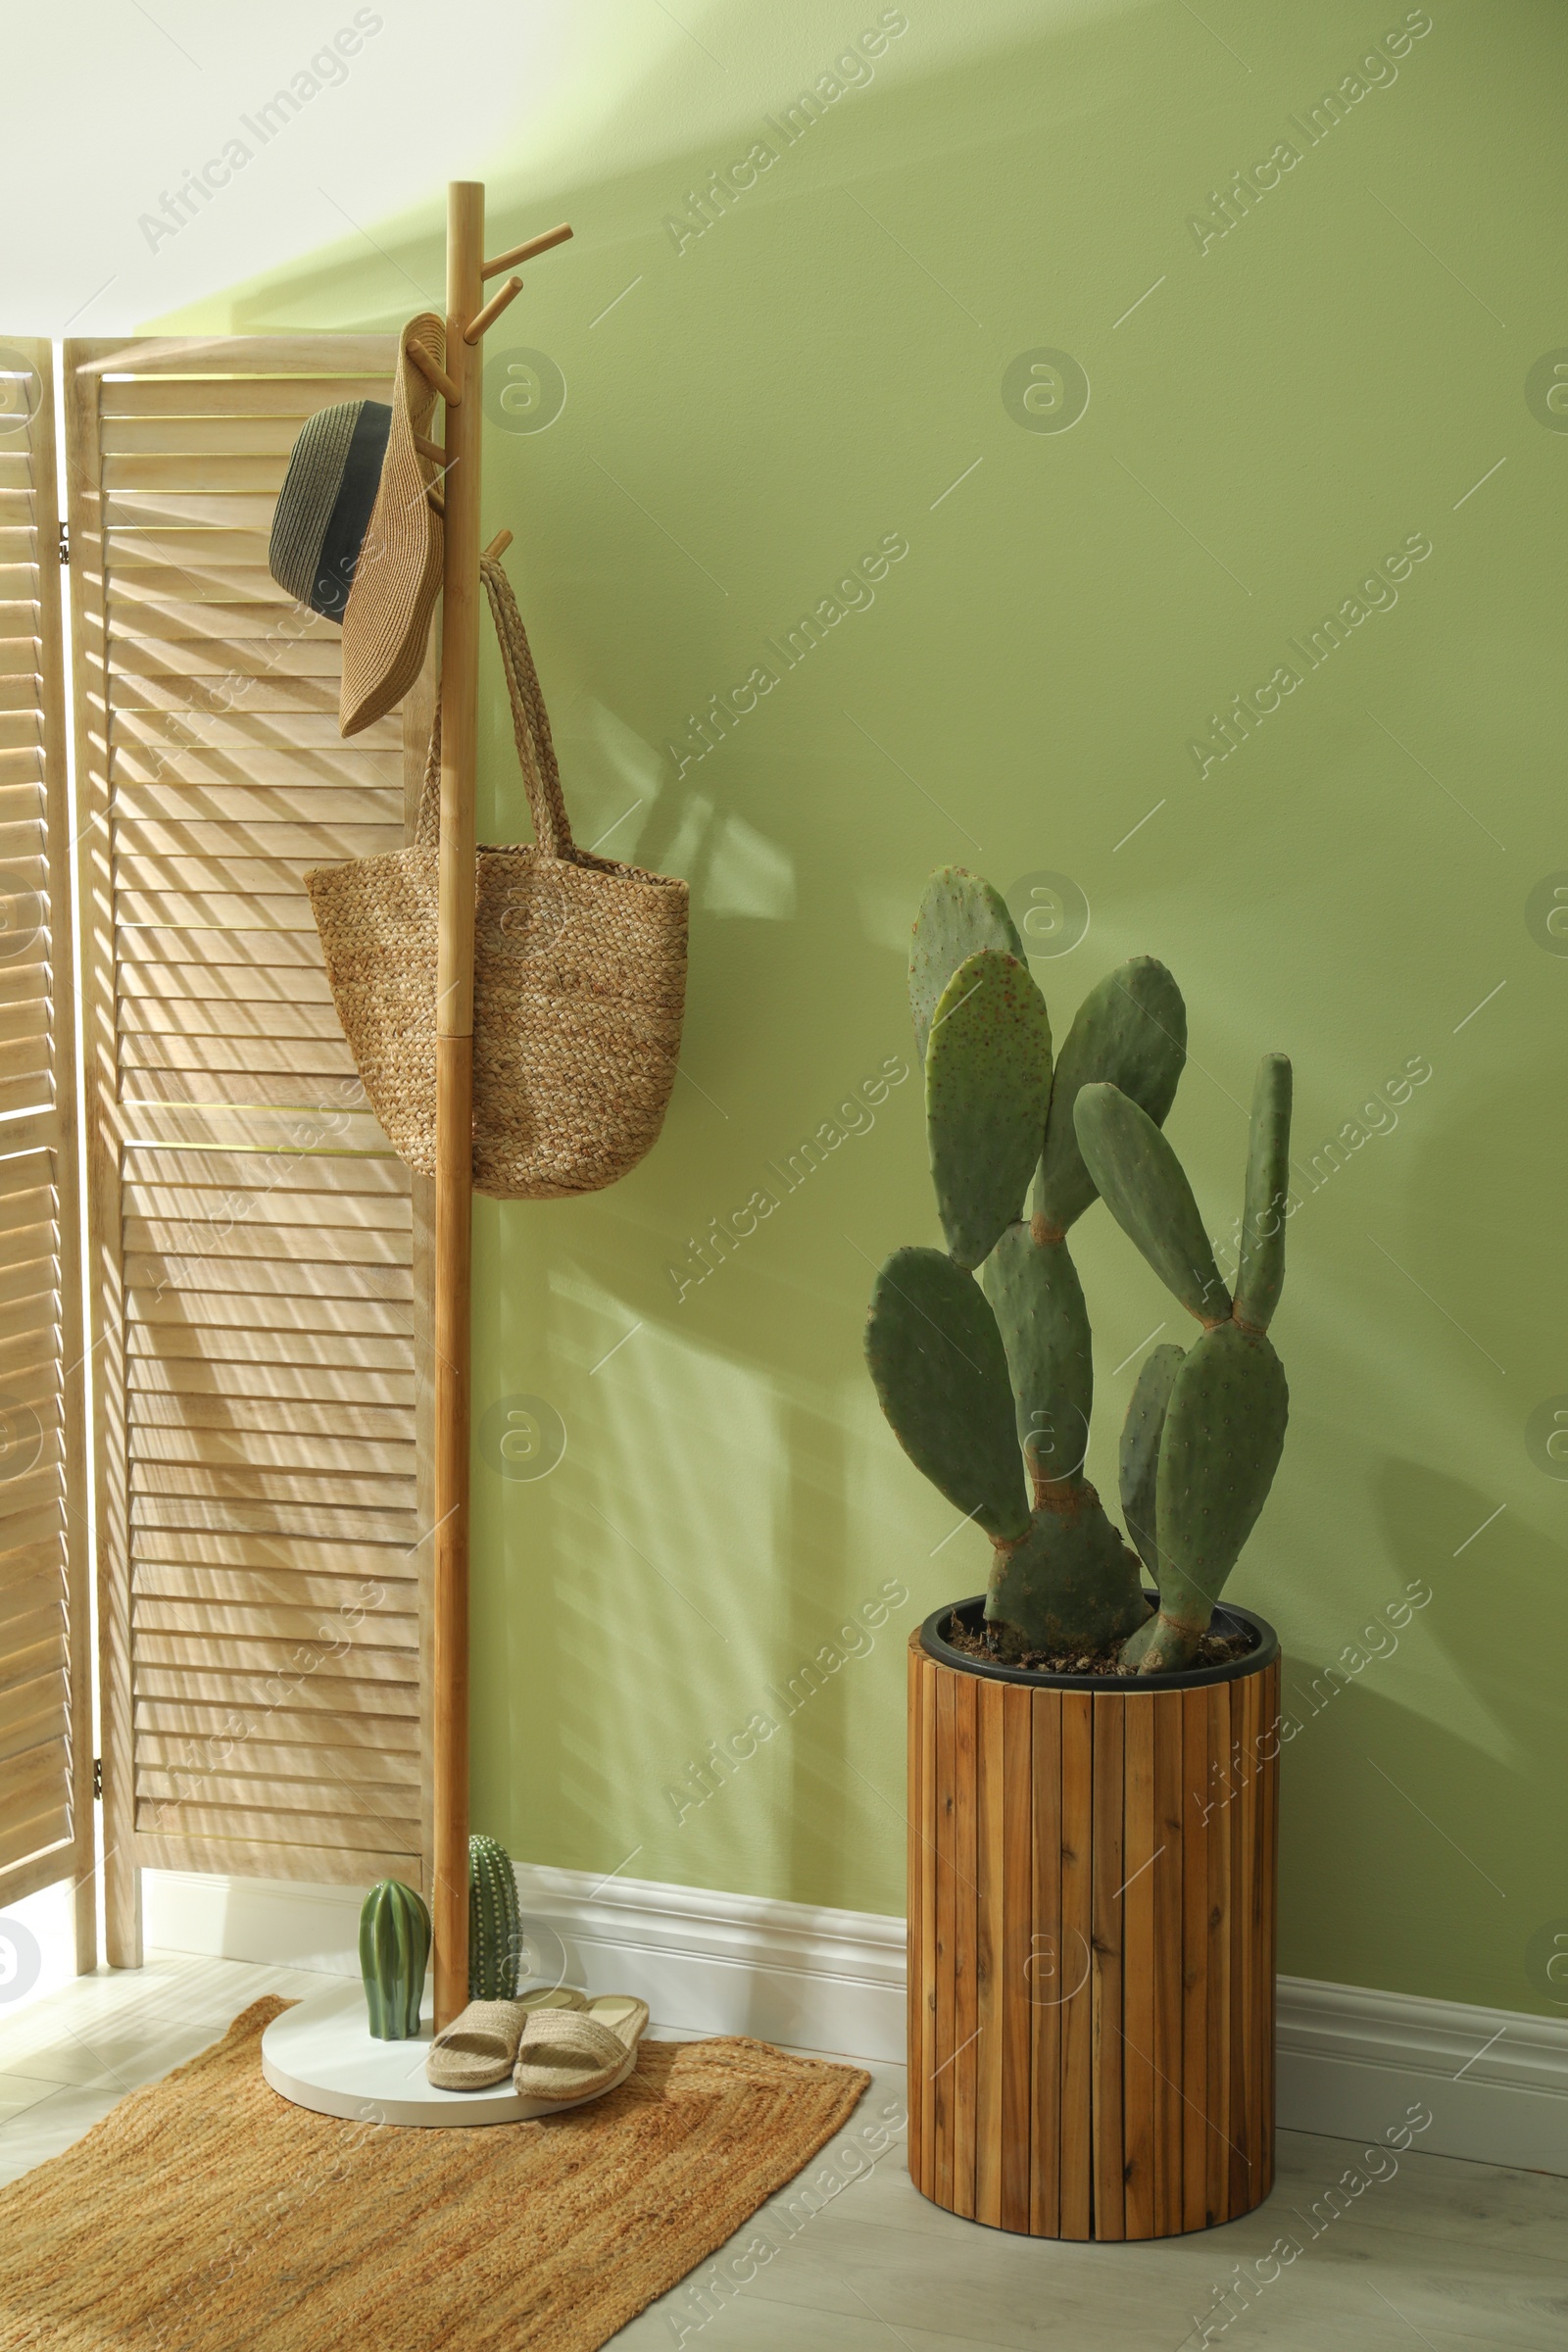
x: 1092, y: 1937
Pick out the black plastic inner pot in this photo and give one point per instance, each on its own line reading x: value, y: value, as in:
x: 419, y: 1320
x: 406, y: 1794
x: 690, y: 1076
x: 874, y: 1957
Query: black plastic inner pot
x: 1228, y: 1620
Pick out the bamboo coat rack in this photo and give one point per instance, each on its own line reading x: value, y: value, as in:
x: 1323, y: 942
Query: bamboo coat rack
x: 468, y: 316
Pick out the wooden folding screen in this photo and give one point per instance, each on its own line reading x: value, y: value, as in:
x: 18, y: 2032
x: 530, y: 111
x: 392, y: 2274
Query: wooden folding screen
x: 257, y: 1254
x: 46, y: 1760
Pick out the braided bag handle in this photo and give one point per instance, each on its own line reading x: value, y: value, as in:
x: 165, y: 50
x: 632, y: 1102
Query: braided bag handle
x: 531, y: 725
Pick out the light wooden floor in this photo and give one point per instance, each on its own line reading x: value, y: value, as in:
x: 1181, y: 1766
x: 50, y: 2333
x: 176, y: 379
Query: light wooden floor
x: 1446, y: 2254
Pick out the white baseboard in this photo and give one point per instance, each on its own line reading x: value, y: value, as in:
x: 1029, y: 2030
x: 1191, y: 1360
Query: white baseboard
x: 1351, y: 2059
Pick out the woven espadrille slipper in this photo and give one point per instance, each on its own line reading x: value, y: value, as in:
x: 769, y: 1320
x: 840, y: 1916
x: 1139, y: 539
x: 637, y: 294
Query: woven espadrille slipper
x: 478, y: 2047
x: 565, y: 2058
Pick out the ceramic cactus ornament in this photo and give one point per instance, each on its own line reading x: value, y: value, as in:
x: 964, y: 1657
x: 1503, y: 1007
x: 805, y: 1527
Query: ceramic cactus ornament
x: 394, y: 1948
x: 495, y: 1933
x: 980, y: 1352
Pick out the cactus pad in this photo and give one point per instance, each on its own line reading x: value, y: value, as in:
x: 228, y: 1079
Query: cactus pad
x: 1260, y: 1276
x: 1039, y: 1304
x: 1071, y: 1584
x: 1145, y: 1187
x: 987, y: 1083
x: 941, y: 1371
x: 959, y: 915
x: 1130, y: 1032
x: 1224, y: 1432
x: 495, y: 1934
x: 394, y: 1947
x: 1140, y: 1450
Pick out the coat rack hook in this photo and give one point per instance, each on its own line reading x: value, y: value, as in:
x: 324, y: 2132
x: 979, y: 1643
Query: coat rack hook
x: 492, y: 310
x: 526, y: 252
x: 434, y: 372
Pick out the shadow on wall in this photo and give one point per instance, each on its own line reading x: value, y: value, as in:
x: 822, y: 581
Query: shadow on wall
x: 712, y: 1528
x: 706, y: 444
x: 1404, y: 1784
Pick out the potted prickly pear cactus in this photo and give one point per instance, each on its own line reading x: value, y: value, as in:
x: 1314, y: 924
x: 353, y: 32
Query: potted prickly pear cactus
x: 1093, y: 1765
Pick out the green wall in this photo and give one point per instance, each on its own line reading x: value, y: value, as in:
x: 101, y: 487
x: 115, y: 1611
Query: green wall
x: 1272, y: 411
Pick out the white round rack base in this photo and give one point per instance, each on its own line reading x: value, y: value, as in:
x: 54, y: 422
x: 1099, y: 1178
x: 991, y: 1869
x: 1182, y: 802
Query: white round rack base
x: 321, y: 2054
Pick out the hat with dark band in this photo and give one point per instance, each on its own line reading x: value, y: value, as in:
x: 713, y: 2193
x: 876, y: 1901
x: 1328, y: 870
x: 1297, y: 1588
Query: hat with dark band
x: 355, y: 535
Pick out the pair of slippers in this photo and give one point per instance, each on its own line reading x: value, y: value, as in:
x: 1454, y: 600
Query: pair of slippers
x: 558, y: 2047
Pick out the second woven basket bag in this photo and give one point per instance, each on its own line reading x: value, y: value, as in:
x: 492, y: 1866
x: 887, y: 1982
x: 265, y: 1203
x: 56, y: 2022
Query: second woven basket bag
x: 579, y: 978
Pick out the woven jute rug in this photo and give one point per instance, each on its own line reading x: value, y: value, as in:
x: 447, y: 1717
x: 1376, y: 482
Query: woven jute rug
x: 207, y: 2214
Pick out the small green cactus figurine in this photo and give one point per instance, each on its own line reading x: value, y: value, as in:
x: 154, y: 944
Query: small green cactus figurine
x: 980, y: 1352
x: 495, y: 1933
x: 394, y: 1947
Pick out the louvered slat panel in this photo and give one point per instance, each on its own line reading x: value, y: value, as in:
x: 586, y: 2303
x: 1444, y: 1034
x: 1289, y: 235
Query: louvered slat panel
x: 304, y: 799
x: 46, y: 1827
x: 256, y: 1246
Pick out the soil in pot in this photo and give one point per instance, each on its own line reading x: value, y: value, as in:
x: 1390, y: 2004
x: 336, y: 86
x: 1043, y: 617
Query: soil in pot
x: 999, y: 1649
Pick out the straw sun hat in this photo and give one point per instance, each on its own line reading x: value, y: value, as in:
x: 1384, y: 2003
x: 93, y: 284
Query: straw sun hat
x: 355, y: 535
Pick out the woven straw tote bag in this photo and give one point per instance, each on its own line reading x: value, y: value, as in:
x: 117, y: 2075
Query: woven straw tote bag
x: 579, y: 978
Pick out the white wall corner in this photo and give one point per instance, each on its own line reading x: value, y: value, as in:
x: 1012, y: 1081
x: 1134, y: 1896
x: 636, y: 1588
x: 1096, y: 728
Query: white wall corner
x: 1351, y: 2059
